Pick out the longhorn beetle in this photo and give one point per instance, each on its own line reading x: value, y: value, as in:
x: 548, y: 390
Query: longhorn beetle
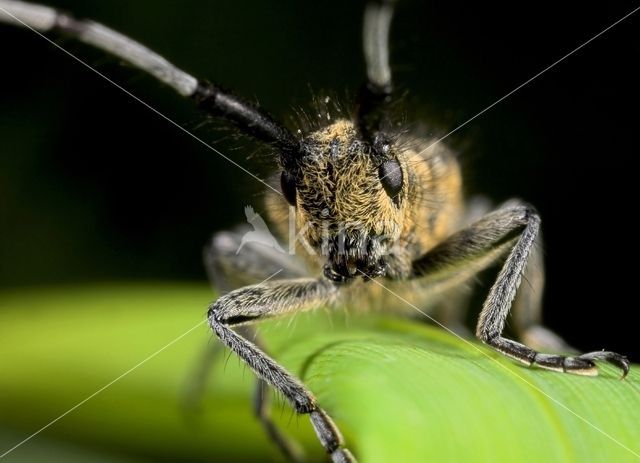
x: 371, y: 201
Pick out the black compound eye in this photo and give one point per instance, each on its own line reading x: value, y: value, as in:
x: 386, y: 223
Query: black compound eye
x: 391, y: 177
x: 288, y: 186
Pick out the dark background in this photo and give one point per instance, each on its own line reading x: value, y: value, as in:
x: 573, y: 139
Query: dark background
x: 94, y: 186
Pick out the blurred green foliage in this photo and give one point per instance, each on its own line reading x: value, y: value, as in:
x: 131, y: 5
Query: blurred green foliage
x: 400, y: 390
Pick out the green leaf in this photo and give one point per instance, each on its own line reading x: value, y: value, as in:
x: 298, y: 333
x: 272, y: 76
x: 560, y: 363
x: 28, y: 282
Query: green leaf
x: 399, y: 390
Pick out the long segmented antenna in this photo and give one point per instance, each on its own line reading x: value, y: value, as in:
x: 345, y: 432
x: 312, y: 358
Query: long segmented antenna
x: 375, y: 94
x: 375, y: 37
x: 209, y: 97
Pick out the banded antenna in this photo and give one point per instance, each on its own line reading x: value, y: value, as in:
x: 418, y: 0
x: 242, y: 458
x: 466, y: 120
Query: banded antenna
x: 210, y: 98
x: 376, y: 94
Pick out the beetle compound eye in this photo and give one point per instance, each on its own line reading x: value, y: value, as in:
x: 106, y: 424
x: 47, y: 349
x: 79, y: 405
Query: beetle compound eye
x: 288, y: 186
x: 391, y: 177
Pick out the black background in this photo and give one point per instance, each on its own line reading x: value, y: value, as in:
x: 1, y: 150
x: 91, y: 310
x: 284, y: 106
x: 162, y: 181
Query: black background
x: 94, y: 186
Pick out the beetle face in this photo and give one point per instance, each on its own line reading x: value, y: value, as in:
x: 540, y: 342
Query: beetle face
x: 348, y: 201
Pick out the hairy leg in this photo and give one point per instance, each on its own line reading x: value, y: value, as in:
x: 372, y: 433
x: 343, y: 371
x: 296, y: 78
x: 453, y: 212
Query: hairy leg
x: 527, y: 306
x: 229, y: 269
x: 510, y: 231
x: 267, y: 300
